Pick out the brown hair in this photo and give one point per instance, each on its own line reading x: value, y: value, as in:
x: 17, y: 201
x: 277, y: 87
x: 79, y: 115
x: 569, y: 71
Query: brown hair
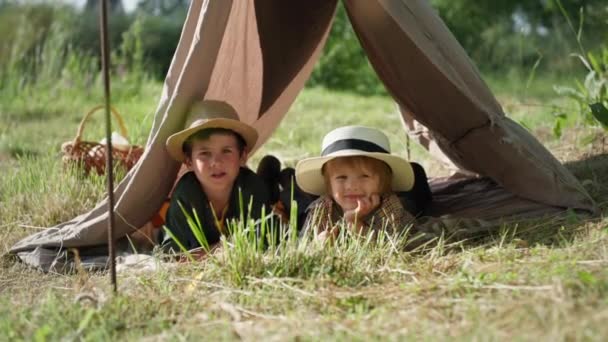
x: 206, y: 133
x: 371, y: 165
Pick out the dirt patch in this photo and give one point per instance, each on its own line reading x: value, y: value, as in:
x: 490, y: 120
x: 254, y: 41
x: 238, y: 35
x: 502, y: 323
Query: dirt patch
x: 5, y: 159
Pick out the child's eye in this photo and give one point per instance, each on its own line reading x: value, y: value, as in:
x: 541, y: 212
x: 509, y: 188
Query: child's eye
x: 227, y: 151
x: 340, y: 177
x: 204, y: 153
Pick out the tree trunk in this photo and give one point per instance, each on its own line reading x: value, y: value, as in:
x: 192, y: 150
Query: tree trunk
x: 113, y: 5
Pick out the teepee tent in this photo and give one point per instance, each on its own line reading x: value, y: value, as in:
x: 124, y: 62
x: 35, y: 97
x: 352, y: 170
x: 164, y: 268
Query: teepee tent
x: 257, y: 55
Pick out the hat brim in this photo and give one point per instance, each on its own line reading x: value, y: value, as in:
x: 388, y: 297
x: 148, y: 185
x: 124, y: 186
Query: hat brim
x: 311, y: 180
x: 176, y: 141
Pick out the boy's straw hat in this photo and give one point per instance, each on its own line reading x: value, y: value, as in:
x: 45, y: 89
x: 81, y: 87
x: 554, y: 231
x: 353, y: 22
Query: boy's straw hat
x: 353, y: 141
x: 210, y: 114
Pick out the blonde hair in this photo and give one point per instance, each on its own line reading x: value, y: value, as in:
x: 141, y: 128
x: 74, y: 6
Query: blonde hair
x: 371, y: 165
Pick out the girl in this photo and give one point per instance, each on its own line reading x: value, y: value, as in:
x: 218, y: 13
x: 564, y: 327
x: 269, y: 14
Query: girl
x: 356, y: 178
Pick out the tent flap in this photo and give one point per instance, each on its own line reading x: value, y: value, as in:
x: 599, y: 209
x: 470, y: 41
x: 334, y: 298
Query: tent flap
x: 435, y: 83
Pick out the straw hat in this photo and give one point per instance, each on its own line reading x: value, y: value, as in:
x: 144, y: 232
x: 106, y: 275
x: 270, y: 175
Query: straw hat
x: 210, y: 114
x: 353, y: 141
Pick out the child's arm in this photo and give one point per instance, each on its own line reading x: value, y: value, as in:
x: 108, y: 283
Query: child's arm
x: 390, y: 215
x: 189, y: 194
x: 178, y: 225
x: 318, y: 217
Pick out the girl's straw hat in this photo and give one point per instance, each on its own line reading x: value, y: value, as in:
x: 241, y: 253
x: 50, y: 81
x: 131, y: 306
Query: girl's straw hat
x: 210, y: 114
x: 353, y: 141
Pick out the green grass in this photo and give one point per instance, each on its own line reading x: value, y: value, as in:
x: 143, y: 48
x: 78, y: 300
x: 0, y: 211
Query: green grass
x: 544, y: 279
x: 496, y: 290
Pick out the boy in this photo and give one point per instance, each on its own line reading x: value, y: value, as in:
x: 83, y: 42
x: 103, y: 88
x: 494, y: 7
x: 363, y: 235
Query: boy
x: 356, y: 177
x: 214, y: 147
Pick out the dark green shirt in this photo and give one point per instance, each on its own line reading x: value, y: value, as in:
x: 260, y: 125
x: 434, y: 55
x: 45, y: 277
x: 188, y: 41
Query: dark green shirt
x: 190, y: 194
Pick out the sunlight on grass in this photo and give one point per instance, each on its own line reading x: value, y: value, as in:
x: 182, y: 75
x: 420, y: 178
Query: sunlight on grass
x: 543, y: 279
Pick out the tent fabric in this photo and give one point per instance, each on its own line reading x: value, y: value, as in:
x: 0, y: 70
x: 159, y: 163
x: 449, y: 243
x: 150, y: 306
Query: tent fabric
x: 429, y: 74
x: 257, y: 55
x: 219, y: 56
x: 482, y: 198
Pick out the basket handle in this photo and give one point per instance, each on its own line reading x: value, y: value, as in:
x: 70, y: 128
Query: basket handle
x: 117, y: 116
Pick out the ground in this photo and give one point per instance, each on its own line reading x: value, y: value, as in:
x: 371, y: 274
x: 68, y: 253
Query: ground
x: 542, y: 279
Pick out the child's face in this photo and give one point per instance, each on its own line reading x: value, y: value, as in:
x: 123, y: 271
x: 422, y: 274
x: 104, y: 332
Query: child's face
x: 350, y: 183
x: 216, y: 162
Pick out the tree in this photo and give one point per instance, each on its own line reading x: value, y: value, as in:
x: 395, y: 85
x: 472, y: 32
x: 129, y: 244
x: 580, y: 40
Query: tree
x: 113, y: 6
x: 162, y: 7
x: 519, y: 32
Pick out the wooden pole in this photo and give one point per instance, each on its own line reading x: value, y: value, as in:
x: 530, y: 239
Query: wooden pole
x: 105, y: 67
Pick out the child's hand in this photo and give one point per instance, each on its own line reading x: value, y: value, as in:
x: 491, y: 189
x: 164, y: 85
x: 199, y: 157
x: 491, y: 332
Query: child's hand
x: 364, y: 207
x: 367, y: 205
x: 328, y: 235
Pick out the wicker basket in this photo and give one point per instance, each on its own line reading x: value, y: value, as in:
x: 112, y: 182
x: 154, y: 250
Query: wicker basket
x: 90, y: 155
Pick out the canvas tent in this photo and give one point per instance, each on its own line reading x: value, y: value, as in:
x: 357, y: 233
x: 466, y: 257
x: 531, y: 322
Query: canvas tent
x: 257, y: 55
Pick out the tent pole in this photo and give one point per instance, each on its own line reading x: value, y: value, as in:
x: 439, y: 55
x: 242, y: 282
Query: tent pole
x: 105, y: 63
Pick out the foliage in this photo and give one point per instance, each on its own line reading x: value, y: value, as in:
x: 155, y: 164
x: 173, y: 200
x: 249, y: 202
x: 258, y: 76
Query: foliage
x: 503, y: 33
x: 343, y: 64
x: 114, y: 6
x: 158, y: 38
x: 137, y: 40
x: 591, y: 94
x: 162, y: 7
x: 498, y: 35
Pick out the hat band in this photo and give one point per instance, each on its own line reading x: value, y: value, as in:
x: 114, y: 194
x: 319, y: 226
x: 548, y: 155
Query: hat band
x: 352, y: 144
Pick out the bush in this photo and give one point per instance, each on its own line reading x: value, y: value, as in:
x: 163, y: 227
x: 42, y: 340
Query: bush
x: 591, y: 94
x: 144, y: 44
x: 158, y: 37
x: 343, y: 64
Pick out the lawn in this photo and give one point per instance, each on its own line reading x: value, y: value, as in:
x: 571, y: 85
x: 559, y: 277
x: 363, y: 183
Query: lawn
x: 545, y: 279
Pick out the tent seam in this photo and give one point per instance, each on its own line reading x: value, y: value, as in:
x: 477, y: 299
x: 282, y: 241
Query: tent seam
x: 486, y: 124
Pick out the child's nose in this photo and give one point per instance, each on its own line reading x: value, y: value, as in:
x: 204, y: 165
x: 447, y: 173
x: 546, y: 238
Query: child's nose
x: 351, y: 184
x: 216, y: 159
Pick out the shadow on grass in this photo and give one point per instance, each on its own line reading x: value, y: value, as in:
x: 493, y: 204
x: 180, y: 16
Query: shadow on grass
x: 17, y: 152
x: 34, y: 114
x: 592, y: 172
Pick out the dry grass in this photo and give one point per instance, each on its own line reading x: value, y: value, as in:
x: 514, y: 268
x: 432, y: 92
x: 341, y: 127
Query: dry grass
x: 543, y: 279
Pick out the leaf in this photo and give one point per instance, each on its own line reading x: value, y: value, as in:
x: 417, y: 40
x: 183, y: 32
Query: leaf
x: 534, y: 67
x: 557, y: 129
x: 568, y: 91
x: 583, y: 60
x: 588, y: 139
x: 197, y: 230
x: 84, y: 323
x: 581, y: 20
x: 596, y: 66
x: 43, y: 333
x: 600, y: 112
x: 581, y: 88
x: 562, y: 116
x: 179, y: 244
x: 587, y: 278
x: 590, y: 84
